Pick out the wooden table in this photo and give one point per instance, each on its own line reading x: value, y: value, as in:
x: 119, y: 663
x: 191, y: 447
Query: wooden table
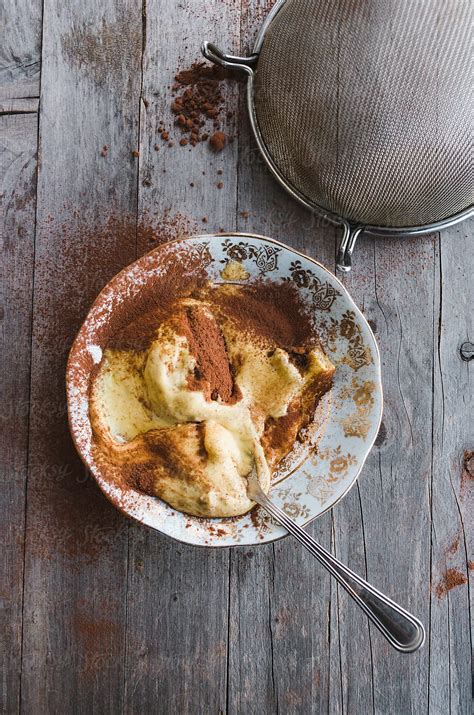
x: 101, y: 615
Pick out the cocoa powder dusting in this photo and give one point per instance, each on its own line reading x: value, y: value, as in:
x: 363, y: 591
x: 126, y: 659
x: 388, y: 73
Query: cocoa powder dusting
x: 270, y: 311
x: 133, y: 325
x: 451, y: 579
x: 280, y: 434
x: 454, y: 545
x: 160, y: 227
x: 206, y: 343
x: 217, y: 141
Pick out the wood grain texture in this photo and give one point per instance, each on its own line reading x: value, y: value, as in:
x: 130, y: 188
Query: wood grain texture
x: 167, y: 200
x: 76, y: 546
x: 394, y: 489
x: 18, y: 136
x: 177, y: 616
x: 20, y: 49
x: 280, y: 621
x: 452, y: 533
x: 116, y: 617
x: 25, y: 105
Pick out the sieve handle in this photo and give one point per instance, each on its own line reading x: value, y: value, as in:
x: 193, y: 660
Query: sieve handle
x: 346, y: 247
x: 240, y: 64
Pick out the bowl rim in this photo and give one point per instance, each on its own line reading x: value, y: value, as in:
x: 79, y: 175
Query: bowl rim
x: 211, y: 236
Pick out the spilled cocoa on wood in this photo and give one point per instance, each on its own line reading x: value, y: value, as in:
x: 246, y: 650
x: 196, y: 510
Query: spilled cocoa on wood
x: 451, y: 578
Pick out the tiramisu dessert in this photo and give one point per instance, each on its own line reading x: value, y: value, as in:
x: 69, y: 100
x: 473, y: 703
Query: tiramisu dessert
x: 195, y: 392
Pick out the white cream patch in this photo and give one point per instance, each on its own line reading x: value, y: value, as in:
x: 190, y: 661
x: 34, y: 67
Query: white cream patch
x: 95, y: 351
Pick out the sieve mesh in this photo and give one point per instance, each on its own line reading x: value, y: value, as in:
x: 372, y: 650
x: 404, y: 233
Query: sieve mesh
x: 365, y: 107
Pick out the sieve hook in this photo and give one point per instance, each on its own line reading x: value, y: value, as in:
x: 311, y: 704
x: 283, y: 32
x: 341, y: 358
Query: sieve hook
x: 346, y: 247
x: 240, y: 64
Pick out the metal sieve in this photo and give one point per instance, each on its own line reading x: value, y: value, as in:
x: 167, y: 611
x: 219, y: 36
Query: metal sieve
x: 362, y: 111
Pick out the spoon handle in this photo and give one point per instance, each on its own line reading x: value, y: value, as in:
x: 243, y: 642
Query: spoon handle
x: 402, y: 630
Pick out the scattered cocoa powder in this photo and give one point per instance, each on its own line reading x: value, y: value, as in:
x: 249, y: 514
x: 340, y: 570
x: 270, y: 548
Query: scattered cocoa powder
x: 454, y: 546
x: 220, y: 184
x: 160, y: 227
x: 135, y: 153
x: 93, y: 632
x: 217, y: 141
x: 197, y: 101
x: 467, y: 473
x: 451, y: 578
x: 215, y: 531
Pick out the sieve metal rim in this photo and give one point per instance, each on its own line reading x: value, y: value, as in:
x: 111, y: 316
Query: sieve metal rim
x: 351, y: 231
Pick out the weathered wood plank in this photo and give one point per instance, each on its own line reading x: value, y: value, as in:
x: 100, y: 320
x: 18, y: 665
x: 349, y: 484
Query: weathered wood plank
x: 280, y: 634
x: 183, y: 179
x: 76, y: 550
x: 18, y: 138
x: 452, y: 534
x: 177, y: 624
x: 394, y: 490
x: 352, y: 685
x: 20, y: 51
x: 279, y: 654
x: 93, y: 621
x: 26, y: 105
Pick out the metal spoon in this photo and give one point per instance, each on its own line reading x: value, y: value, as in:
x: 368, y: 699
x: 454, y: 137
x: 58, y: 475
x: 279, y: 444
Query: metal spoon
x: 402, y: 630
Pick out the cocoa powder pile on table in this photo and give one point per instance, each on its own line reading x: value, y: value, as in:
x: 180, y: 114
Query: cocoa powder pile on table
x: 198, y: 103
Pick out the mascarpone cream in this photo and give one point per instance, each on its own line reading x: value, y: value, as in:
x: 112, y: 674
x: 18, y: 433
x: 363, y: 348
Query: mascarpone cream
x: 186, y: 417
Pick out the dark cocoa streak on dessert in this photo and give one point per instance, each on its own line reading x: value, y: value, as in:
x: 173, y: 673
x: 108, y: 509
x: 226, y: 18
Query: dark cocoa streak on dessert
x: 299, y: 357
x: 207, y: 345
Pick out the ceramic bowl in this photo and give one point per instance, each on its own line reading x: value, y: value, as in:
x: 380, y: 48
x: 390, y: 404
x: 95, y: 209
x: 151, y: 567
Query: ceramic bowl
x: 312, y: 479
